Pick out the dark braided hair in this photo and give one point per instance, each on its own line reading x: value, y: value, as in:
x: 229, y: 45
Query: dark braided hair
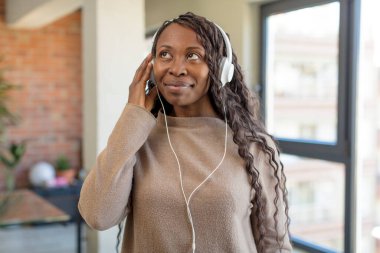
x: 242, y: 112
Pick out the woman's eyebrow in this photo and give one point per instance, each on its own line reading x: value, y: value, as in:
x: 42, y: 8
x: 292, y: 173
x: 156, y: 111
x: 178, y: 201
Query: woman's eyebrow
x: 195, y: 48
x: 165, y: 46
x: 188, y: 48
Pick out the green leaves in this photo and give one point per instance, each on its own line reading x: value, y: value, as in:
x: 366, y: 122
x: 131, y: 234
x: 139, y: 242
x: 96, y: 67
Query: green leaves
x: 10, y: 155
x: 62, y: 163
x: 13, y: 155
x: 6, y: 116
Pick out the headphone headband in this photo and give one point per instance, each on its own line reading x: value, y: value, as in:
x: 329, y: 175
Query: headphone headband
x: 227, y: 43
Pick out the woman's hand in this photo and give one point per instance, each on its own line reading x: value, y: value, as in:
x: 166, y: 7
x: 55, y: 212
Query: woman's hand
x: 137, y: 94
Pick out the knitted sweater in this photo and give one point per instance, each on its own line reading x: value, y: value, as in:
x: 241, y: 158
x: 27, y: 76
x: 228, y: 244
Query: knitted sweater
x: 136, y: 177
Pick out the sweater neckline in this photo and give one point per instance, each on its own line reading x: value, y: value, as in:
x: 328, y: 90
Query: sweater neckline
x: 191, y: 122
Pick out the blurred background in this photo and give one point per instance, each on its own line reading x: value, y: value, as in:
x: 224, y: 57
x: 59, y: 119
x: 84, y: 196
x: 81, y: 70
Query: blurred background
x: 65, y: 68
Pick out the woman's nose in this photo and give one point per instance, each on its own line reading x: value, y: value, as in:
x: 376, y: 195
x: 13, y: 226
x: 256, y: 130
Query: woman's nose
x: 178, y: 68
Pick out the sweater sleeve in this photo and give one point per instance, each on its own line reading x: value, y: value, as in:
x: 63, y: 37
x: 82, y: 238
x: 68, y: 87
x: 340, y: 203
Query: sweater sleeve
x: 276, y: 239
x: 105, y: 196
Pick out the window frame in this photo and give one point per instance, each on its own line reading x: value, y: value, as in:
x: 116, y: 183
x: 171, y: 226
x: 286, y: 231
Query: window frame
x: 343, y: 150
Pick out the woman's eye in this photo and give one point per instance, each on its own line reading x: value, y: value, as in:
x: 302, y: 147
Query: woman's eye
x: 165, y: 55
x: 192, y: 56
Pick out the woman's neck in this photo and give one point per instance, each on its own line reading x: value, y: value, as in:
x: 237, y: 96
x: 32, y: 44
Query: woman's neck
x: 192, y: 112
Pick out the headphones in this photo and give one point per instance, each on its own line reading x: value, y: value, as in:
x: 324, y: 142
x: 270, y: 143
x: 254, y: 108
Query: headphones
x: 226, y: 66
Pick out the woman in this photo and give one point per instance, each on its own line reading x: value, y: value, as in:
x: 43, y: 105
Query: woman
x: 189, y: 165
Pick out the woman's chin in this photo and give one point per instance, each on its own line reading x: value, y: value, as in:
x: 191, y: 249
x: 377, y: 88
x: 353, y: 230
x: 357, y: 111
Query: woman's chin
x: 177, y: 102
x: 176, y: 99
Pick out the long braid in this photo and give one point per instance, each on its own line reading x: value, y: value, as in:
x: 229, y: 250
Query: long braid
x: 242, y: 109
x: 247, y: 130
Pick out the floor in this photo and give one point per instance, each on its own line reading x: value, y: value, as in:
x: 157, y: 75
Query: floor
x: 42, y: 239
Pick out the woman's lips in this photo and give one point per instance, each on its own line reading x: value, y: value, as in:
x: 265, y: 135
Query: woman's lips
x: 177, y: 86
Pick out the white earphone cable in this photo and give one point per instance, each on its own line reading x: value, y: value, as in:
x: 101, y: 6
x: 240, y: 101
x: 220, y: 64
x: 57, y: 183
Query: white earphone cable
x: 187, y: 200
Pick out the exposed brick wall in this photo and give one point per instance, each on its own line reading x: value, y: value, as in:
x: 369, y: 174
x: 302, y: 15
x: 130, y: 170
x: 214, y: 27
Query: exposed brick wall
x: 46, y: 62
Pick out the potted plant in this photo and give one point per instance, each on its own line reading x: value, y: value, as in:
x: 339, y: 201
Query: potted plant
x: 64, y: 169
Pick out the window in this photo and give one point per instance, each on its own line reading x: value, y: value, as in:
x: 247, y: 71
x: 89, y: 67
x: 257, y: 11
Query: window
x: 368, y: 129
x: 302, y: 68
x: 316, y: 199
x: 308, y: 66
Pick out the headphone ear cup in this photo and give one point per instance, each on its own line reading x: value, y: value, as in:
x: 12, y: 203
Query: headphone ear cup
x: 222, y: 76
x: 230, y: 73
x: 226, y: 71
x: 151, y: 77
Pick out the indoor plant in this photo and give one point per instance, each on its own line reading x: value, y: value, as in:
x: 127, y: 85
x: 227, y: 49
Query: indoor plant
x: 10, y: 155
x: 64, y: 169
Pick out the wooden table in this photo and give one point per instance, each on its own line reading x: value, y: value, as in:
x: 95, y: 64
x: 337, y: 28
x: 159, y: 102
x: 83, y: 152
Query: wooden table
x: 26, y: 207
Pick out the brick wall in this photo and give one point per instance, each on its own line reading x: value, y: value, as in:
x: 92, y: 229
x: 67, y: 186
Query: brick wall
x: 46, y: 62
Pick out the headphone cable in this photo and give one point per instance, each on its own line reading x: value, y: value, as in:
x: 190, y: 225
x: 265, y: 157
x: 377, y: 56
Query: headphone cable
x: 187, y: 200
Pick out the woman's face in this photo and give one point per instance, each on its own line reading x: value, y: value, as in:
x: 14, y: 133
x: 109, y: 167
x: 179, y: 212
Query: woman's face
x: 181, y: 72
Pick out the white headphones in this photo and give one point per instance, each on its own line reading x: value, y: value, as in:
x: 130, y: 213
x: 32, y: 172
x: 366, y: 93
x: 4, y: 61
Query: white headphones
x: 226, y: 66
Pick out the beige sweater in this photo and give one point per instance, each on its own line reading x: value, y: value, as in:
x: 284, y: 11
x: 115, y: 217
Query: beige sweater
x: 136, y: 176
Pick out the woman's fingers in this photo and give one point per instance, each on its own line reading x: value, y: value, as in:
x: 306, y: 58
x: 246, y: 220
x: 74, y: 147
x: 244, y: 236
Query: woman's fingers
x: 146, y: 73
x: 137, y: 88
x: 141, y: 69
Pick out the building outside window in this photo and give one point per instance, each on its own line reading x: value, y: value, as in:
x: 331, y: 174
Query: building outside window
x: 303, y: 105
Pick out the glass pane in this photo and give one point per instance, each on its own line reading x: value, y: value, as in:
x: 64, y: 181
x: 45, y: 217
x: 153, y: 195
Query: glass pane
x: 302, y: 73
x: 368, y: 129
x: 316, y: 200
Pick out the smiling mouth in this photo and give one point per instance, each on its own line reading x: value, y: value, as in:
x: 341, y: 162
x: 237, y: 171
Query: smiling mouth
x: 178, y: 85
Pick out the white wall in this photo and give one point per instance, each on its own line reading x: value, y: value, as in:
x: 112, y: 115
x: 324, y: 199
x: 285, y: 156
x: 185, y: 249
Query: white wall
x: 113, y: 39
